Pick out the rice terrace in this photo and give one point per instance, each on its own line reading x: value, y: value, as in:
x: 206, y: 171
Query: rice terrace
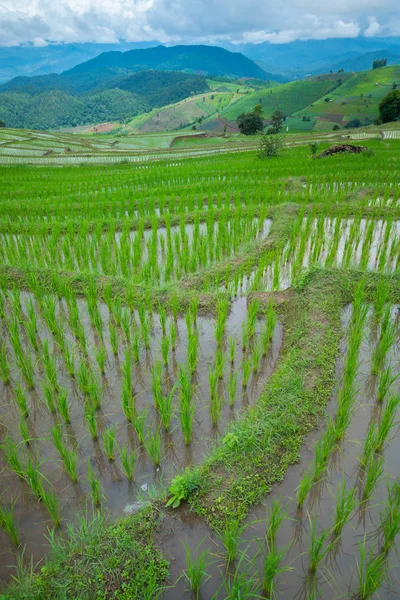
x: 200, y: 355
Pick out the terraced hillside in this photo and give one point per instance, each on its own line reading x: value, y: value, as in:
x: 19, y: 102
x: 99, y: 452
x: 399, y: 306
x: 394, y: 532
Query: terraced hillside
x: 199, y: 374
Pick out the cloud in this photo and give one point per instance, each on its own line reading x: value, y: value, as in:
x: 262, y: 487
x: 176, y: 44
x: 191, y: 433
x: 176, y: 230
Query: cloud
x: 191, y: 21
x: 373, y: 29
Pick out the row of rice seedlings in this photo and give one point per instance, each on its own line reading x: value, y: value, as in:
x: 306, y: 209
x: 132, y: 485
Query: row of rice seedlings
x: 385, y: 342
x: 164, y: 256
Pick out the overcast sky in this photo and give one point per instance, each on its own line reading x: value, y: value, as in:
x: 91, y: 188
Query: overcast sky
x: 193, y: 21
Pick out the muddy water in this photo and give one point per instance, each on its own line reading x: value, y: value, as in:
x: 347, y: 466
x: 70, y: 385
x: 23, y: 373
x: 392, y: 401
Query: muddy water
x: 291, y: 264
x: 337, y: 575
x: 119, y: 494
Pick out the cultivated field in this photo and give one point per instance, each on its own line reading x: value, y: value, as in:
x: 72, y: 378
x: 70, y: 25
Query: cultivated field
x: 199, y: 369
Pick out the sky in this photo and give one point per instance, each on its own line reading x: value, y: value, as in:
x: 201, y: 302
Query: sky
x: 193, y: 21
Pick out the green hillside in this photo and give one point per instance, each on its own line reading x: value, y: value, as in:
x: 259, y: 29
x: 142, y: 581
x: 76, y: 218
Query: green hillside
x: 358, y: 98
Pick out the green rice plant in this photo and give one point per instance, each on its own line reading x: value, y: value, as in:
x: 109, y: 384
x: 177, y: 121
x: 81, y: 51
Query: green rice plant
x: 232, y: 350
x: 23, y: 429
x: 49, y: 364
x: 21, y: 401
x: 245, y: 336
x: 33, y: 477
x: 232, y: 387
x: 128, y: 460
x: 386, y: 380
x: 173, y: 335
x: 304, y: 487
x: 230, y: 537
x: 91, y: 422
x: 113, y: 338
x: 385, y: 342
x: 8, y: 524
x: 165, y: 350
x: 216, y: 404
x: 11, y: 455
x: 109, y: 442
x: 94, y: 390
x: 49, y: 499
x: 272, y: 568
x: 95, y: 486
x: 381, y: 297
x: 153, y: 447
x: 139, y: 423
x: 27, y: 370
x: 187, y: 406
x: 346, y: 502
x: 4, y: 364
x: 219, y: 363
x: 319, y: 545
x: 163, y: 318
x: 156, y: 383
x: 136, y: 347
x: 67, y: 455
x: 193, y: 349
x: 374, y: 473
x: 323, y: 449
x: 49, y: 395
x: 371, y: 571
x: 390, y: 518
x: 165, y: 408
x: 274, y: 518
x: 387, y: 421
x: 128, y: 401
x: 246, y: 372
x: 256, y: 358
x: 63, y: 406
x: 101, y: 357
x: 196, y: 568
x: 241, y: 584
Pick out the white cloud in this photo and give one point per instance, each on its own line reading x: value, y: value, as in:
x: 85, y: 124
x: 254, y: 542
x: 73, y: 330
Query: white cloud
x: 373, y: 29
x: 207, y: 21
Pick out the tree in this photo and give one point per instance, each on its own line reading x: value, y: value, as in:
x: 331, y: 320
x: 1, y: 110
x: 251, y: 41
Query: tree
x: 250, y: 123
x: 336, y: 127
x: 389, y: 108
x: 258, y: 109
x: 270, y: 146
x: 276, y: 122
x: 377, y: 64
x: 2, y: 124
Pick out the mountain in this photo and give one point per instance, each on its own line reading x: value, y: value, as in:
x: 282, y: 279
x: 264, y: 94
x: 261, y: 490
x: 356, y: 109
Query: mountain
x: 54, y: 101
x: 204, y: 60
x: 30, y: 60
x: 363, y: 62
x: 304, y: 57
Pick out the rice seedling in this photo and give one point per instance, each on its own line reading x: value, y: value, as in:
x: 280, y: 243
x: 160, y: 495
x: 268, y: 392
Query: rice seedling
x: 304, y: 487
x: 346, y: 502
x: 165, y: 408
x: 113, y: 338
x: 371, y: 571
x: 193, y: 349
x: 109, y: 442
x: 196, y: 568
x: 63, y: 406
x: 274, y: 518
x: 4, y: 364
x: 374, y: 473
x: 219, y: 363
x: 386, y: 380
x: 186, y: 411
x: 386, y: 422
x: 230, y: 537
x: 232, y: 350
x: 95, y: 486
x: 246, y: 372
x: 232, y: 387
x: 272, y: 568
x: 173, y: 335
x: 67, y: 455
x: 49, y: 396
x: 319, y: 545
x: 390, y: 518
x: 128, y: 460
x: 152, y: 444
x: 33, y: 477
x: 50, y: 500
x: 136, y: 347
x: 91, y: 422
x: 21, y: 401
x: 24, y: 431
x: 8, y: 524
x: 101, y: 357
x: 139, y: 423
x: 12, y: 457
x: 216, y: 404
x: 256, y: 358
x: 385, y: 342
x: 165, y: 350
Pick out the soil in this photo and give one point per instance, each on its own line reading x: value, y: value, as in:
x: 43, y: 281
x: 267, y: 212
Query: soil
x: 339, y: 148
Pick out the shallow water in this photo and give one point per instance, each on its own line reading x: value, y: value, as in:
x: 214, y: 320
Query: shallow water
x: 119, y: 494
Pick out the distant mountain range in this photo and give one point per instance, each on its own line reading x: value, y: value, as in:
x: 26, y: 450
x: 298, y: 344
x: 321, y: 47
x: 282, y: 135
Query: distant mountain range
x: 118, y: 85
x: 288, y: 61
